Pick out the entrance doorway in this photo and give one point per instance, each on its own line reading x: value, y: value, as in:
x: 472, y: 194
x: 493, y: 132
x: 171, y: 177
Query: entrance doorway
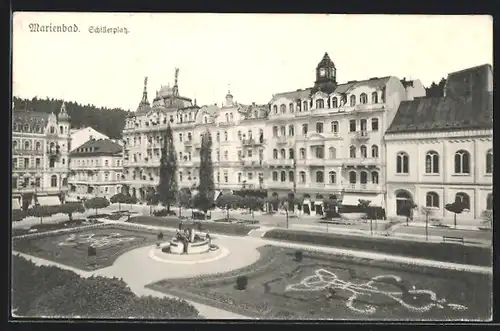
x: 403, y: 198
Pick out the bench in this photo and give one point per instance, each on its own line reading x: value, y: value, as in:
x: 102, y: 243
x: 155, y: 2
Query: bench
x: 454, y: 239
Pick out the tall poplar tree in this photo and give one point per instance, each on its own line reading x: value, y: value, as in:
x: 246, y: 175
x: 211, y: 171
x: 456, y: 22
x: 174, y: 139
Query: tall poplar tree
x: 167, y: 187
x: 205, y: 198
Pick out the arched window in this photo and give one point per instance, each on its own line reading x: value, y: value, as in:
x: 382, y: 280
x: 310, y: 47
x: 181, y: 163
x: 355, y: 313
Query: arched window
x: 180, y: 176
x: 217, y: 137
x: 332, y: 152
x: 53, y: 181
x: 52, y: 130
x: 320, y: 103
x: 291, y: 107
x: 374, y: 151
x: 304, y: 129
x: 335, y: 127
x: 363, y: 177
x: 335, y: 102
x: 463, y: 198
x: 353, y: 100
x: 319, y: 127
x: 283, y: 130
x: 38, y: 146
x: 489, y: 201
x: 26, y: 127
x: 249, y: 134
x: 26, y: 145
x: 319, y: 177
x: 374, y: 97
x: 275, y: 176
x: 225, y: 135
x: 275, y: 131
x: 363, y: 98
x: 431, y: 162
x: 304, y: 106
x: 402, y: 163
x: 230, y: 116
x: 352, y: 177
x: 333, y: 177
x: 364, y: 151
x: 291, y: 154
x: 14, y: 144
x: 374, y: 177
x: 283, y: 176
x: 239, y: 135
x: 302, y: 153
x: 275, y: 154
x: 489, y: 162
x: 290, y: 176
x: 352, y: 152
x: 291, y: 130
x: 205, y: 119
x: 462, y: 162
x: 283, y: 154
x: 275, y: 109
x: 432, y: 200
x: 374, y: 124
x: 302, y: 176
x: 282, y: 109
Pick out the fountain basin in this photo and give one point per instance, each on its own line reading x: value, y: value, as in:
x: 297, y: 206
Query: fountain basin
x: 177, y: 247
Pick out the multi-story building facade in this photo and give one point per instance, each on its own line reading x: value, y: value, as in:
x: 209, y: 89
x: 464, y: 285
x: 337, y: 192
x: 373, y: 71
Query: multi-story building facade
x: 96, y: 169
x: 327, y: 140
x: 81, y: 136
x: 440, y: 150
x: 40, y: 148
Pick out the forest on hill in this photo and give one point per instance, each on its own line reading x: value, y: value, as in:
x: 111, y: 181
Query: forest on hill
x: 105, y: 120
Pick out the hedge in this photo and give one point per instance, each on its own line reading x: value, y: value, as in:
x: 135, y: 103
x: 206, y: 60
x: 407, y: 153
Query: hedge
x: 49, y: 291
x: 446, y: 252
x: 54, y: 226
x: 173, y: 222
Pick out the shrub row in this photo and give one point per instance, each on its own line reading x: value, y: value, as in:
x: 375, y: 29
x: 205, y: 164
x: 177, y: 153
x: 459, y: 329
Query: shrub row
x: 63, y: 230
x: 54, y: 226
x: 49, y: 291
x: 448, y: 252
x: 173, y: 222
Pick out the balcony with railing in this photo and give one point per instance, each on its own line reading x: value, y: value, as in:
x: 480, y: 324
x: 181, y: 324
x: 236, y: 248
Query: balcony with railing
x: 362, y: 135
x: 253, y: 142
x: 280, y: 162
x: 362, y: 162
x: 188, y: 142
x: 249, y: 163
x: 363, y: 187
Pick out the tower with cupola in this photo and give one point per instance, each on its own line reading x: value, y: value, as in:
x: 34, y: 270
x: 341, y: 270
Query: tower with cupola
x: 326, y: 75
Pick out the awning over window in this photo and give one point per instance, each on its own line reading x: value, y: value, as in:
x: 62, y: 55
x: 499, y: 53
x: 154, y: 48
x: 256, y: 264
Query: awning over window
x: 49, y: 201
x: 350, y: 199
x: 318, y: 203
x: 306, y: 202
x: 16, y: 204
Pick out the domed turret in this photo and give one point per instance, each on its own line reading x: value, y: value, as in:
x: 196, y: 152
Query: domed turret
x: 63, y: 114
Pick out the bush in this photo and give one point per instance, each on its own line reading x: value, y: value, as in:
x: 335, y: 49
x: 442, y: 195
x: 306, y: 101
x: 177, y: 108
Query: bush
x: 463, y: 254
x: 372, y: 212
x: 18, y: 215
x: 50, y: 291
x: 97, y: 203
x: 164, y: 212
x: 241, y: 282
x: 298, y: 256
x: 98, y: 216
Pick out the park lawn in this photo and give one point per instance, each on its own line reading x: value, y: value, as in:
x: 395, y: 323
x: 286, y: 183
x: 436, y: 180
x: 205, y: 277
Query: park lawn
x: 62, y: 249
x: 266, y: 295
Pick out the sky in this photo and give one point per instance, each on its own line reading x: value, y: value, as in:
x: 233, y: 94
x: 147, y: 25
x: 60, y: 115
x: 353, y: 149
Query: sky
x: 253, y: 55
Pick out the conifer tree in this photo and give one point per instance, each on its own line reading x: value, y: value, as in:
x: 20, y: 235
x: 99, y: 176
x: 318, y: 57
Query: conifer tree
x: 204, y: 199
x: 167, y: 187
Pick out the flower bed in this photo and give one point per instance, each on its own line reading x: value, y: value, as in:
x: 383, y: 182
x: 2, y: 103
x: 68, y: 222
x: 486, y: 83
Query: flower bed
x: 232, y: 229
x: 98, y: 216
x: 49, y: 291
x: 66, y: 225
x: 236, y: 221
x: 473, y: 255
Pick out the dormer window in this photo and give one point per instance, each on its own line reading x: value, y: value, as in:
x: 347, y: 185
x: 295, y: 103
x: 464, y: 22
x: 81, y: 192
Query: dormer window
x: 304, y: 106
x: 320, y: 103
x: 363, y: 98
x: 353, y: 100
x: 275, y: 109
x: 282, y: 109
x: 26, y: 127
x: 291, y: 107
x: 334, y: 102
x: 52, y: 130
x: 374, y: 97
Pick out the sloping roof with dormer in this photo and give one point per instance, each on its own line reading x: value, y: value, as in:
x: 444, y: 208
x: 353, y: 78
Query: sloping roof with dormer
x: 97, y: 147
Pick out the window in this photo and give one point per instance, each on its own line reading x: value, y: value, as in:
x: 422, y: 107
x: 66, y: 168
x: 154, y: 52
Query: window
x: 352, y: 126
x: 26, y: 162
x: 352, y: 177
x: 374, y: 97
x: 291, y: 130
x: 275, y: 109
x: 402, y: 160
x: 239, y: 155
x: 363, y: 178
x: 283, y: 176
x: 283, y: 131
x: 291, y: 154
x: 38, y: 163
x: 374, y: 124
x: 352, y: 152
x: 462, y: 162
x: 226, y: 177
x: 205, y: 120
x: 320, y: 103
x: 353, y: 100
x: 363, y: 150
x: 275, y: 131
x: 105, y: 163
x: 218, y: 177
x: 225, y: 155
x: 180, y: 137
x: 489, y: 162
x: 304, y: 129
x: 374, y: 177
x: 38, y: 182
x: 52, y: 130
x: 291, y: 107
x: 282, y: 109
x: 363, y: 125
x: 217, y: 156
x: 291, y: 176
x: 38, y: 146
x: 463, y: 198
x: 304, y: 106
x: 26, y: 145
x: 432, y: 200
x: 275, y: 154
x: 106, y: 176
x: 319, y: 177
x: 375, y: 151
x: 489, y: 201
x: 225, y: 135
x: 335, y: 102
x: 275, y: 176
x: 302, y: 153
x: 319, y: 127
x: 61, y: 129
x: 250, y: 176
x: 217, y: 137
x: 239, y: 177
x: 302, y: 176
x: 320, y: 152
x: 249, y: 153
x: 53, y: 181
x: 431, y: 162
x: 333, y: 177
x: 363, y: 98
x: 332, y: 153
x: 334, y: 127
x: 14, y: 144
x: 283, y: 154
x: 239, y: 135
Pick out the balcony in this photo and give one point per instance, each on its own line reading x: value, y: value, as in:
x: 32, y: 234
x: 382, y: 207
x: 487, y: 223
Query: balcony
x: 253, y: 142
x: 361, y: 135
x: 188, y: 143
x: 226, y: 123
x: 367, y: 187
x: 282, y: 139
x: 280, y: 162
x: 252, y: 163
x: 368, y: 162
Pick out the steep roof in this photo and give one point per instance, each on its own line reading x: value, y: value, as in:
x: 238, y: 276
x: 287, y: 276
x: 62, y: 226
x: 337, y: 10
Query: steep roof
x: 97, y: 147
x: 468, y: 105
